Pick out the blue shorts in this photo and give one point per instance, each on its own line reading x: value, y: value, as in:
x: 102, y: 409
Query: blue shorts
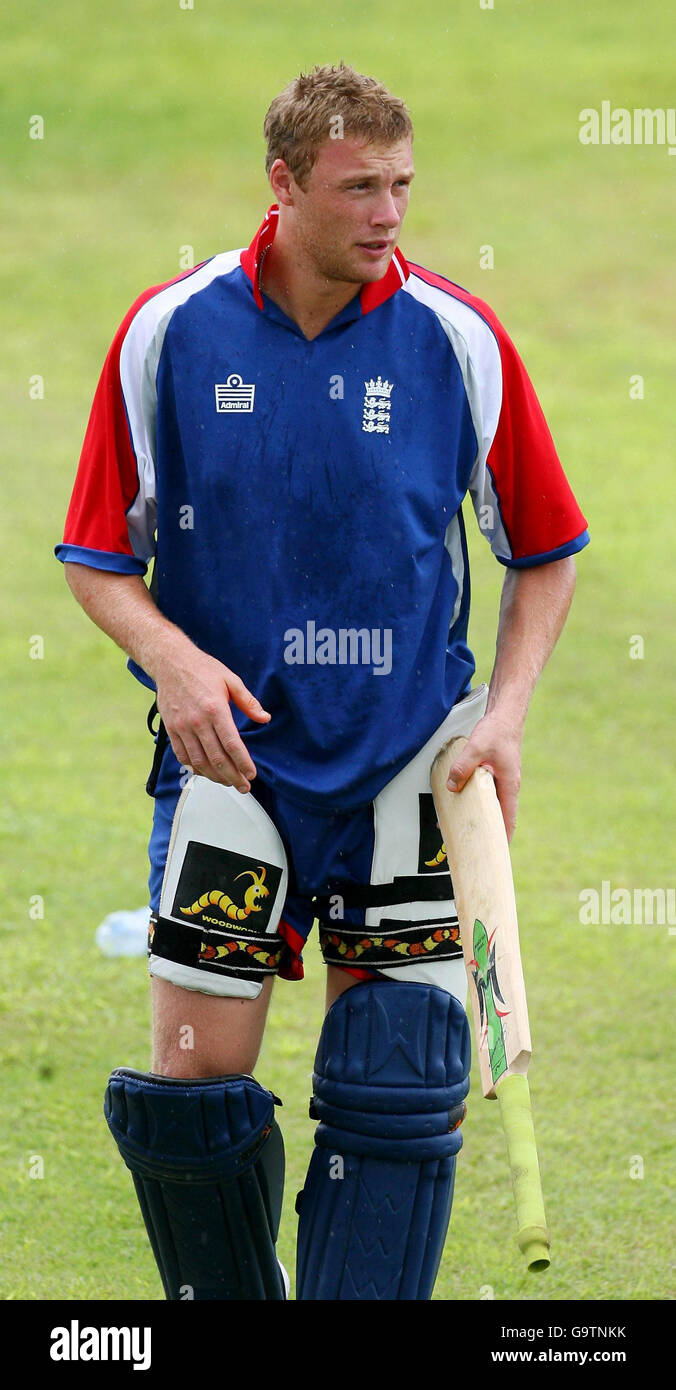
x: 385, y: 861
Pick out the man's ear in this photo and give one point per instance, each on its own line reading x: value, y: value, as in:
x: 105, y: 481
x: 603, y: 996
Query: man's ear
x: 283, y: 184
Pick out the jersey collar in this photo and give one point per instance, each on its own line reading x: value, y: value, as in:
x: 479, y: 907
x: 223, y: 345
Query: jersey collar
x: 371, y: 294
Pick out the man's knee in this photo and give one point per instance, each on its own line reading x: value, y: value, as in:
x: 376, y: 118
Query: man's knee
x: 199, y: 1035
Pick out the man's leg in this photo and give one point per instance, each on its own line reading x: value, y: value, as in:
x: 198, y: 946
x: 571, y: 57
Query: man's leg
x: 204, y: 1148
x: 390, y: 1079
x: 198, y: 1132
x: 337, y: 981
x: 392, y: 1066
x: 198, y: 1034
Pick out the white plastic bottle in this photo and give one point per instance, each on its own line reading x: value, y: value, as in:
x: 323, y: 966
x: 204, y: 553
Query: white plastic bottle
x: 124, y: 933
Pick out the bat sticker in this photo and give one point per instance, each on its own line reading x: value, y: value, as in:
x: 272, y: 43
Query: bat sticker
x: 484, y: 974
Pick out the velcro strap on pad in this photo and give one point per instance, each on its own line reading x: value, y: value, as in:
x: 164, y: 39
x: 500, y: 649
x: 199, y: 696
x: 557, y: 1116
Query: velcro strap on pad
x: 242, y: 953
x: 404, y: 888
x: 391, y: 944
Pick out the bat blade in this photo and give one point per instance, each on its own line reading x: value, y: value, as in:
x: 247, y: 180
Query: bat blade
x: 477, y: 850
x: 478, y: 858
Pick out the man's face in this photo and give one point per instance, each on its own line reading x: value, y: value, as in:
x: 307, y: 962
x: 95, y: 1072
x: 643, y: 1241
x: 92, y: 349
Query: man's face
x: 348, y: 217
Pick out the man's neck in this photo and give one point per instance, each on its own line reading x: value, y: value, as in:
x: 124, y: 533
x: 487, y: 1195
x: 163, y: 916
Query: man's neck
x: 299, y: 291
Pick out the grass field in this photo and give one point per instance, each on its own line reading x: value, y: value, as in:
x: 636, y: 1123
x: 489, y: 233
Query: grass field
x: 152, y: 141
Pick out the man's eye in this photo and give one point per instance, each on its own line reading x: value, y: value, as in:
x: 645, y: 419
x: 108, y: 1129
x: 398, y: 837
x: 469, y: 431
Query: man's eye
x: 399, y: 183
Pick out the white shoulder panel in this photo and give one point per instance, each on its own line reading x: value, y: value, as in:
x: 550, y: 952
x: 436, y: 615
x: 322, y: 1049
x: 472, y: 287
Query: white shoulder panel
x: 478, y: 355
x: 139, y: 358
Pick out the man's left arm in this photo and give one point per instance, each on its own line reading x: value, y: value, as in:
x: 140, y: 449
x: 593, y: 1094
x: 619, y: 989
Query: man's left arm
x: 533, y: 609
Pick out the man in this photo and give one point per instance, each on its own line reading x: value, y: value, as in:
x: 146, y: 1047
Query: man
x: 288, y: 431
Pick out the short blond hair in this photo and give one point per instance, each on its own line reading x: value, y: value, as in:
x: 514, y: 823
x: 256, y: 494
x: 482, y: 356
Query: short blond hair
x: 329, y: 99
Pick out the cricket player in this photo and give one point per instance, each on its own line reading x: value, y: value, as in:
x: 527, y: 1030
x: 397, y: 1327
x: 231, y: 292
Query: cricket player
x: 287, y: 433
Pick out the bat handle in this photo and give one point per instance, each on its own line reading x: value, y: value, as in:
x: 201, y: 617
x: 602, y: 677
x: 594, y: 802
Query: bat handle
x: 513, y: 1093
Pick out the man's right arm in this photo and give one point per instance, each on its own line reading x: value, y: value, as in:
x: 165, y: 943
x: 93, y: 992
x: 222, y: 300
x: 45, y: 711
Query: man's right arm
x: 194, y: 690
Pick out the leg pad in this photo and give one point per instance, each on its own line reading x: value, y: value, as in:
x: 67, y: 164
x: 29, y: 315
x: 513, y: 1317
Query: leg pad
x: 391, y: 1075
x: 207, y: 1160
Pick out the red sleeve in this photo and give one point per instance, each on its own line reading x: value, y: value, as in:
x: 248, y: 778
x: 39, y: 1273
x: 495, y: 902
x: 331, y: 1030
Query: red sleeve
x: 107, y: 480
x: 524, y: 504
x: 540, y: 517
x: 111, y: 518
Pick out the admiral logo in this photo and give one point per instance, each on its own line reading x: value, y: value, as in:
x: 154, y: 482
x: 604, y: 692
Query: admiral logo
x: 234, y: 394
x: 218, y: 886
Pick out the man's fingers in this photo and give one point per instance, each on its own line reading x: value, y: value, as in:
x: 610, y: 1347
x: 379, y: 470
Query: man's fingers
x: 214, y: 764
x: 244, y: 699
x: 224, y: 770
x: 229, y: 742
x: 194, y: 755
x: 228, y: 758
x: 508, y: 799
x: 180, y: 750
x: 201, y: 728
x: 507, y: 791
x: 507, y: 788
x: 219, y: 745
x: 461, y: 770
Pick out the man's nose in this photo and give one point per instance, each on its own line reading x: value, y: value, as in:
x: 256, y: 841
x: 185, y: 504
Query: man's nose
x: 386, y: 212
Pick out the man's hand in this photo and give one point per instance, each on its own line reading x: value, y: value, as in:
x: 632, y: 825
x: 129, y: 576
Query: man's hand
x: 194, y: 690
x: 494, y: 744
x: 193, y: 698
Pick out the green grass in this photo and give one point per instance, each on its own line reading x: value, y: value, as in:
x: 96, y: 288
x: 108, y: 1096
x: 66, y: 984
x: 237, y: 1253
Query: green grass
x: 153, y: 141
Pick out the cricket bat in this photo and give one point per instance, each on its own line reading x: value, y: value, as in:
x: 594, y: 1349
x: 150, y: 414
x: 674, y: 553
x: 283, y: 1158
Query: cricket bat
x: 477, y: 850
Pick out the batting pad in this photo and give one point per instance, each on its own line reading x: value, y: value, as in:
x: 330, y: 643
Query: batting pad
x: 391, y: 1076
x: 410, y: 930
x: 405, y: 822
x: 207, y: 1159
x: 223, y: 891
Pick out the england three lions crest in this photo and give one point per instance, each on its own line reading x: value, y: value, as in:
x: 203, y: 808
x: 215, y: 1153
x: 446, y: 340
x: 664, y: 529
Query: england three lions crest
x: 377, y: 405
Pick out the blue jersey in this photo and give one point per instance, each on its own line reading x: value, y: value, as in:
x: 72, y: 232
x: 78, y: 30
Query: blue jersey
x: 301, y: 501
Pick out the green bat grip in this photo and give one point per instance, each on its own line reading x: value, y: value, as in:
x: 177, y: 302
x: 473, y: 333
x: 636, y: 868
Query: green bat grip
x: 514, y: 1096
